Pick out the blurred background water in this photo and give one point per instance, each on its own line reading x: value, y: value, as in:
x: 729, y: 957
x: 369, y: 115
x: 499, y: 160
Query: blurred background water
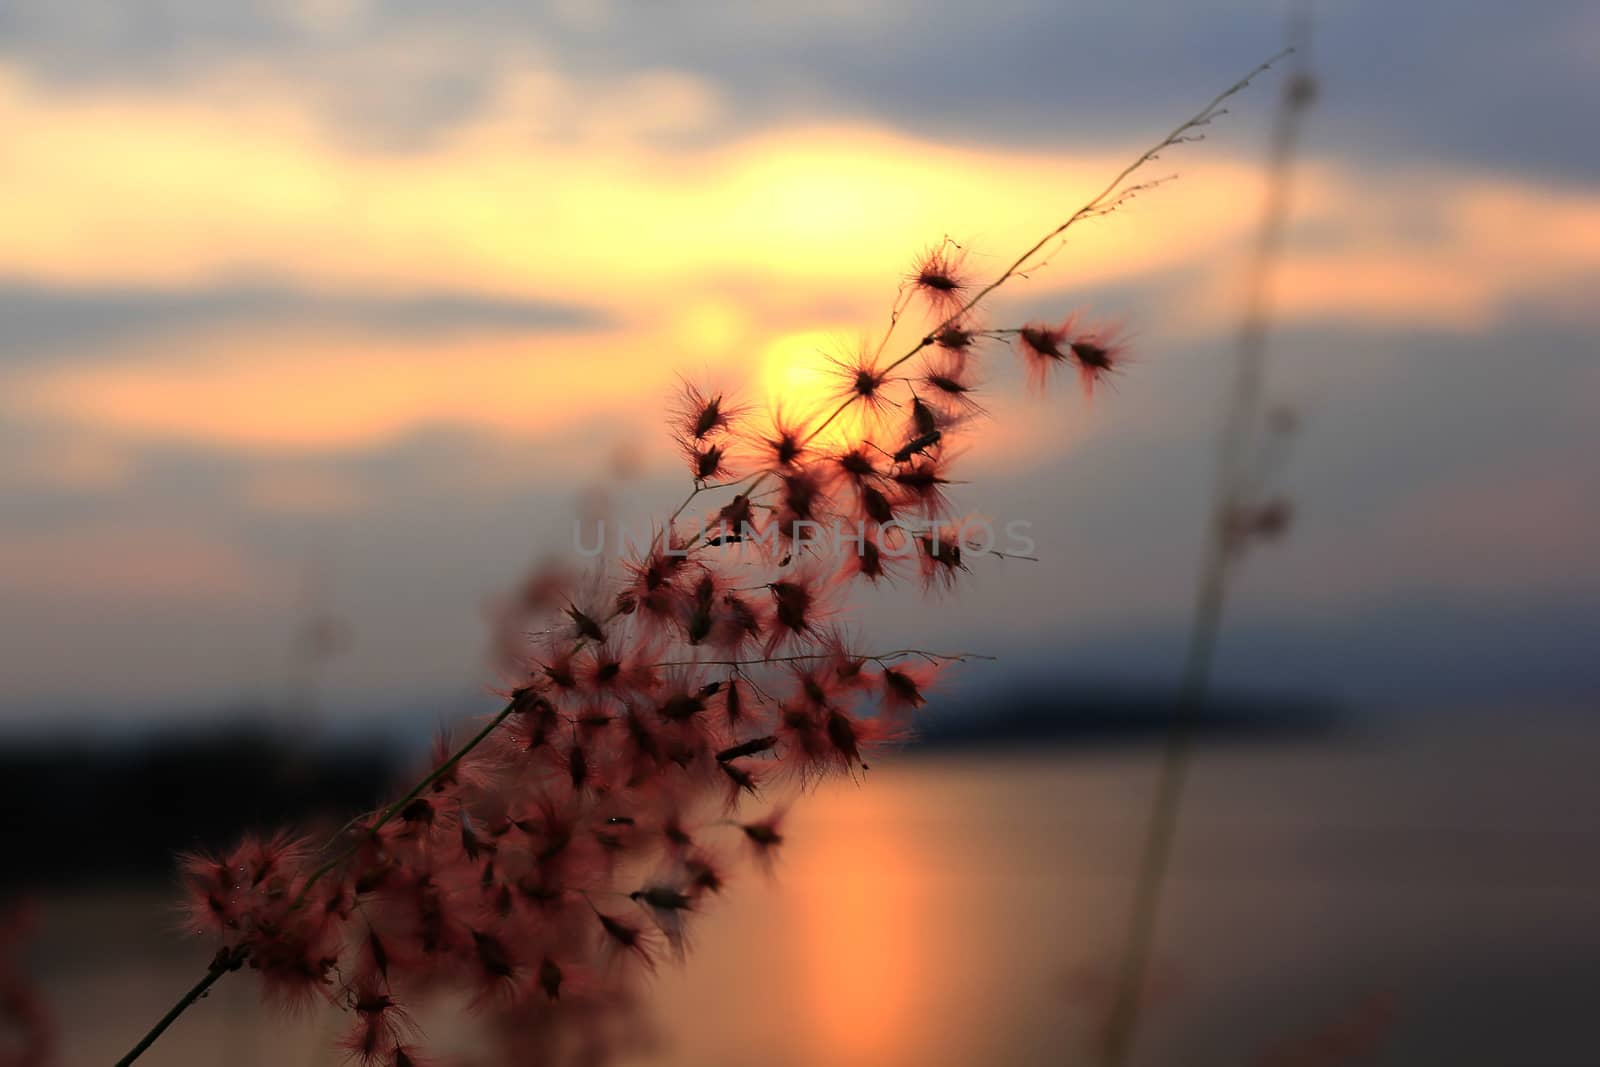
x: 1431, y: 885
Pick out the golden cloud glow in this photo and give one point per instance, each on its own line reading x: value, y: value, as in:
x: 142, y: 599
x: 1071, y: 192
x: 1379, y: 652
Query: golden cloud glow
x: 293, y: 390
x: 1445, y: 251
x: 164, y: 189
x: 738, y: 257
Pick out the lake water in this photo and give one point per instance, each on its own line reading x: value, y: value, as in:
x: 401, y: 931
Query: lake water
x: 1431, y: 889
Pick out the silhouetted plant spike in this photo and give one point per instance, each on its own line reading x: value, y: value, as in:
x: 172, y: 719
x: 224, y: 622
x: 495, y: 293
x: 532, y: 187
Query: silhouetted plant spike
x: 1242, y: 514
x: 659, y: 718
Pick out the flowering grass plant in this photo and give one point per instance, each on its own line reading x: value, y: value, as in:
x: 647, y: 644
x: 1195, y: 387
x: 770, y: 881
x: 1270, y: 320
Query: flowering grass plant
x: 661, y: 714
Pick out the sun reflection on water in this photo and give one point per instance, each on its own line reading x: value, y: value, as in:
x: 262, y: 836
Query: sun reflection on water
x: 860, y: 926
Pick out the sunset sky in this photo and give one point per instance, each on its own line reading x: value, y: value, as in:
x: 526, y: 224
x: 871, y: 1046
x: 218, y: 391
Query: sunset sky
x: 349, y: 306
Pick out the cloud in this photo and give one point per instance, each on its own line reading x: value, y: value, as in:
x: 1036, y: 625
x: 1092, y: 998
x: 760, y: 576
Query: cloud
x: 1414, y: 247
x: 300, y: 389
x: 44, y: 321
x: 1404, y: 81
x: 223, y: 185
x: 591, y: 212
x: 710, y: 260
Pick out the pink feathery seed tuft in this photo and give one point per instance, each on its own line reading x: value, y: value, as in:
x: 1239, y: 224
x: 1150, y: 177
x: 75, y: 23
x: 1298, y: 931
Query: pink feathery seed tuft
x: 534, y: 720
x: 939, y: 277
x: 407, y: 1056
x: 740, y: 781
x: 905, y: 685
x: 704, y: 872
x: 603, y: 669
x: 246, y: 897
x: 380, y: 1024
x: 843, y: 664
x: 749, y: 747
x: 211, y: 902
x: 697, y: 611
x: 675, y: 829
x: 732, y: 520
x: 700, y: 415
x: 260, y: 860
x: 802, y: 500
x: 681, y: 697
x: 921, y: 486
x: 707, y: 461
x: 553, y: 843
x: 958, y: 339
x: 805, y: 746
x: 734, y: 709
x: 579, y: 767
x: 656, y: 581
x: 792, y: 608
x: 669, y: 900
x: 873, y: 505
x: 587, y: 623
x: 764, y: 836
x: 645, y: 748
x: 610, y: 670
x: 593, y: 719
x: 494, y: 966
x: 858, y: 479
x: 557, y: 664
x: 613, y: 825
x: 860, y: 381
x: 686, y: 744
x: 383, y: 948
x: 296, y: 964
x: 542, y: 893
x: 940, y: 555
x: 845, y: 737
x: 1043, y: 348
x: 415, y: 819
x: 550, y: 978
x: 877, y: 555
x: 951, y: 382
x: 622, y: 936
x: 781, y: 445
x: 857, y: 465
x: 455, y: 773
x: 815, y: 686
x: 1099, y: 353
x: 735, y: 623
x: 801, y: 600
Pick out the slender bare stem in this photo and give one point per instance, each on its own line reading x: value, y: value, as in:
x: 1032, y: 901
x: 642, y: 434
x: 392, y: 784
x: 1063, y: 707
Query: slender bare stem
x: 1107, y: 198
x: 701, y: 487
x: 1238, y: 429
x: 224, y: 962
